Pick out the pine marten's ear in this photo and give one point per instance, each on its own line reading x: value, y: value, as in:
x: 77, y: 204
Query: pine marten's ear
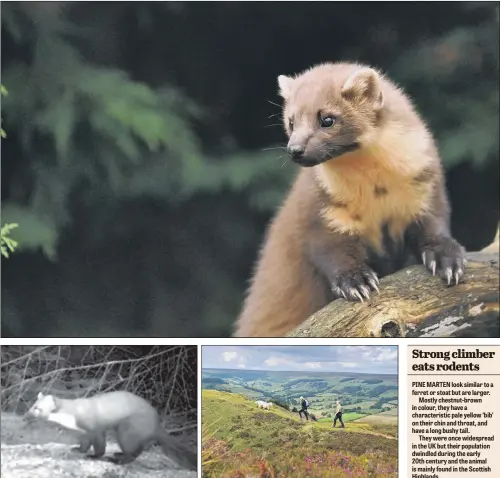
x: 284, y: 83
x: 364, y: 87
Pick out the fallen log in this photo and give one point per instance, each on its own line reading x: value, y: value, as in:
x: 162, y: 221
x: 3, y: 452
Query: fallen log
x: 413, y: 303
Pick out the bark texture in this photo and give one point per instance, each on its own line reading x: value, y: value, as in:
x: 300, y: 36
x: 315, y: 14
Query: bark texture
x: 412, y: 303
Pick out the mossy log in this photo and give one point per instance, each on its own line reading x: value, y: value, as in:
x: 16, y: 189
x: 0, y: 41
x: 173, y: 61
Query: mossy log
x: 413, y: 303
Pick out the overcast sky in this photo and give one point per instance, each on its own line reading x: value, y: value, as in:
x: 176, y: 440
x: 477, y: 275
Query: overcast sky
x: 313, y: 358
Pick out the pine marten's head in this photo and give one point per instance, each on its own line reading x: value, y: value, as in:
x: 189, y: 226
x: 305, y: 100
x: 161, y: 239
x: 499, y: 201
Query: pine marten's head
x: 330, y: 110
x: 43, y: 407
x: 50, y: 408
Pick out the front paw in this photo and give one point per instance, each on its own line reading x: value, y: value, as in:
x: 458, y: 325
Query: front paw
x: 447, y: 257
x: 355, y: 284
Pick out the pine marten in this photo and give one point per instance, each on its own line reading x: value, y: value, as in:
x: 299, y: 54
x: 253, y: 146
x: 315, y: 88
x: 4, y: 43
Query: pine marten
x: 369, y: 199
x: 134, y: 420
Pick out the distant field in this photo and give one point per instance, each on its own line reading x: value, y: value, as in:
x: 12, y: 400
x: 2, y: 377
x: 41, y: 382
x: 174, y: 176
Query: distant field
x: 379, y: 418
x: 320, y: 388
x: 349, y: 416
x: 346, y: 417
x: 392, y: 412
x: 364, y: 404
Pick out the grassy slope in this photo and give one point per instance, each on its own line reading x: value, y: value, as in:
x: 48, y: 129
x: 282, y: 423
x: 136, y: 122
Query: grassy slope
x: 244, y: 433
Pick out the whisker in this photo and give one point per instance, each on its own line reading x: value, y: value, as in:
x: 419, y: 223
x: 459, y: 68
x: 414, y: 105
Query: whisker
x: 275, y: 114
x: 275, y: 147
x: 275, y: 104
x: 275, y: 124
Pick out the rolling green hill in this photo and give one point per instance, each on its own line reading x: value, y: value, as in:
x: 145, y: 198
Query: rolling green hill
x: 360, y: 394
x: 240, y: 440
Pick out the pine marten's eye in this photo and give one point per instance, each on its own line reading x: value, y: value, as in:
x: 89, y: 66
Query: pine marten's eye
x: 290, y: 124
x: 326, y: 121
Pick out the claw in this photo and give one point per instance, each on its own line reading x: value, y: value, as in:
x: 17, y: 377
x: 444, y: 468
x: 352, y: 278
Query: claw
x: 356, y: 293
x: 458, y: 274
x: 373, y: 284
x: 432, y: 266
x: 448, y: 273
x: 423, y: 258
x: 376, y: 278
x: 339, y: 291
x: 365, y: 291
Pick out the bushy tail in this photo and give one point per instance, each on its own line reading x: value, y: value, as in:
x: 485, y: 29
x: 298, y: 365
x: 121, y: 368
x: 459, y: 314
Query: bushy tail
x: 176, y: 450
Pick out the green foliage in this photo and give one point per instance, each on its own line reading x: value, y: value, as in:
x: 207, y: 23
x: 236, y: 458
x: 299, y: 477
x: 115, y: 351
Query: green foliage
x: 3, y: 92
x: 34, y: 231
x: 68, y: 96
x: 79, y: 120
x: 93, y: 122
x: 8, y: 244
x: 454, y: 80
x: 254, y: 173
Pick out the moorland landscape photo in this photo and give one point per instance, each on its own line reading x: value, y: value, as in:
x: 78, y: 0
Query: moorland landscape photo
x: 243, y: 438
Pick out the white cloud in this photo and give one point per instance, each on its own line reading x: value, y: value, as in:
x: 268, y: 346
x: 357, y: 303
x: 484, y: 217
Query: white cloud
x: 229, y: 356
x: 274, y: 361
x: 348, y: 364
x: 355, y: 348
x: 380, y: 354
x: 313, y: 365
x: 385, y: 355
x: 235, y: 358
x: 355, y: 358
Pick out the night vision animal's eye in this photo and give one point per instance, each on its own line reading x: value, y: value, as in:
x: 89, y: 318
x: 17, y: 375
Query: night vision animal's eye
x: 290, y: 124
x: 327, y: 121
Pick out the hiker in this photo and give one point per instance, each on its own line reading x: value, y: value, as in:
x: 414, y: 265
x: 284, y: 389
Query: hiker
x: 338, y: 415
x: 305, y: 405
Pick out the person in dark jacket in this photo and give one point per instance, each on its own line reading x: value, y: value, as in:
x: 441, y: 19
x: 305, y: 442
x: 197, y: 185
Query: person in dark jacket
x: 305, y: 405
x: 338, y: 415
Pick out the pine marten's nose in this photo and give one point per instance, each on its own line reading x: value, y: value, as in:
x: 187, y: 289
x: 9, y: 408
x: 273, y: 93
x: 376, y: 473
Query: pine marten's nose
x: 295, y: 150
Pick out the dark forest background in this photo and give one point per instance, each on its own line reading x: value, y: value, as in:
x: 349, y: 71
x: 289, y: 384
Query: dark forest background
x: 137, y: 162
x: 164, y: 375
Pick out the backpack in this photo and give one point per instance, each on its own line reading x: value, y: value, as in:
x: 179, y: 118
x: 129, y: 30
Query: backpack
x: 307, y: 403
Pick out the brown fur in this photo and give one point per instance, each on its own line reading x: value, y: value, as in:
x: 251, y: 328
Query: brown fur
x: 373, y: 202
